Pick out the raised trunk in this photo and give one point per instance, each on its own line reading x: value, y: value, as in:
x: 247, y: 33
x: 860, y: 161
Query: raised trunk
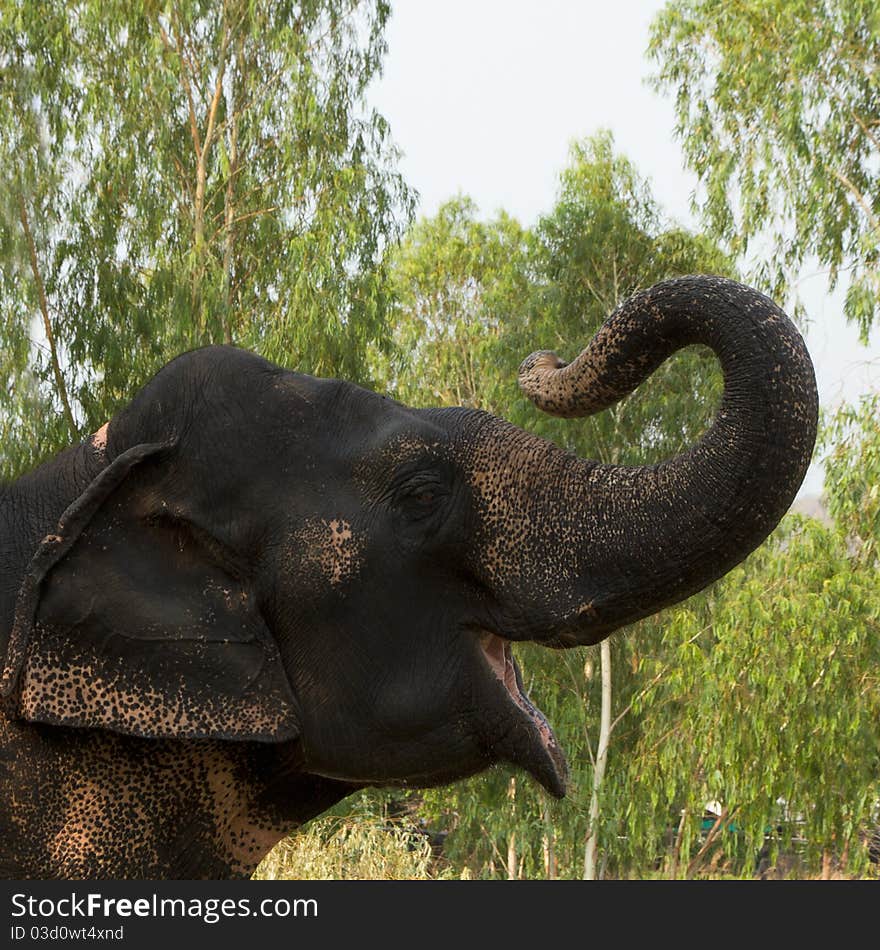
x: 572, y: 550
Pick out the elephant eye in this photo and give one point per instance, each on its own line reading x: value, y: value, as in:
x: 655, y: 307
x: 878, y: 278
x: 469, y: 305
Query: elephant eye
x: 419, y: 497
x: 422, y: 495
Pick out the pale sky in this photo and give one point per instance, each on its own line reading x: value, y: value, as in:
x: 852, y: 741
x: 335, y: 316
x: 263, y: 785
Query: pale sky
x: 485, y: 96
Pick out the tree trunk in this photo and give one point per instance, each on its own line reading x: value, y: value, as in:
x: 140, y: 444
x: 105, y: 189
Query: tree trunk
x: 511, y: 841
x: 601, y: 761
x: 549, y: 844
x: 47, y: 323
x: 229, y: 201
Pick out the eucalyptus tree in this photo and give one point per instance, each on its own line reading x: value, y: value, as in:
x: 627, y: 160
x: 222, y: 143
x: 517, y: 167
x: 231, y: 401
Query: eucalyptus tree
x: 765, y: 699
x: 181, y: 172
x: 852, y: 475
x: 778, y: 109
x: 458, y: 283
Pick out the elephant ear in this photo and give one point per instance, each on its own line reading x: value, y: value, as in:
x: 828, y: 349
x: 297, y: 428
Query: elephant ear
x: 133, y: 619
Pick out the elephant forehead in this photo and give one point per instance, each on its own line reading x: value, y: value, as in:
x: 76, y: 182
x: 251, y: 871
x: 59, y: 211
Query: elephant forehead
x: 375, y: 470
x: 326, y: 549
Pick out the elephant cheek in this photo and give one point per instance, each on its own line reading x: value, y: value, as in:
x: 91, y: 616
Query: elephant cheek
x: 323, y: 554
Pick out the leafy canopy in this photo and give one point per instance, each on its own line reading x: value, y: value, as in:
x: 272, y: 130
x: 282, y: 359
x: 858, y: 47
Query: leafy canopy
x: 778, y: 110
x: 180, y: 173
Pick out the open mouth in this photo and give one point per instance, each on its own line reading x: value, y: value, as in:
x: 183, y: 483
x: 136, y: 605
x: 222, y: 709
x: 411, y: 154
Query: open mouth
x: 531, y: 743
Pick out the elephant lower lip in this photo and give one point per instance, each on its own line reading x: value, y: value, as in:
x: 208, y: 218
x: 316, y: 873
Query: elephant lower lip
x: 546, y: 761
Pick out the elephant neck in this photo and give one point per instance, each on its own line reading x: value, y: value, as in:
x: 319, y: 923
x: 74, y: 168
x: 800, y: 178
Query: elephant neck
x: 92, y: 804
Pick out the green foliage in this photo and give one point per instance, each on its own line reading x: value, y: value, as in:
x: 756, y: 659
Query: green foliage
x: 768, y: 702
x: 458, y: 283
x: 778, y: 109
x: 173, y: 174
x: 852, y: 475
x: 176, y: 174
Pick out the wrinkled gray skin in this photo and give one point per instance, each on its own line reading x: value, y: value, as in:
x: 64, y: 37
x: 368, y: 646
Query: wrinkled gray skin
x: 255, y: 591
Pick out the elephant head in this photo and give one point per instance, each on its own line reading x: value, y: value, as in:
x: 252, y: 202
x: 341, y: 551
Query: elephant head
x: 261, y: 559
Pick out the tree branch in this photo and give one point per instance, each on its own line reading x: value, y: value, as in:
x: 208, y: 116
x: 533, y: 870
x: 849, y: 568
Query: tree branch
x: 229, y: 200
x: 47, y: 323
x: 860, y: 122
x: 710, y: 838
x: 193, y: 124
x: 201, y: 183
x: 860, y: 198
x: 202, y: 169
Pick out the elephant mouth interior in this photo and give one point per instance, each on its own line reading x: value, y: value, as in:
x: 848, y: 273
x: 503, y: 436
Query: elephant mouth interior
x: 539, y: 751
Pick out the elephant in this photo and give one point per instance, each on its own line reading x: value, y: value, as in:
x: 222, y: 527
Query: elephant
x: 254, y: 591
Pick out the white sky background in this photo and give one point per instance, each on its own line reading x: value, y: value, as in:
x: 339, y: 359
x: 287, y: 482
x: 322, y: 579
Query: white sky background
x: 484, y: 98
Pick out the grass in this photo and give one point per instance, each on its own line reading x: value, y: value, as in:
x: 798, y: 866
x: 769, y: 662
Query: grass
x: 349, y: 848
